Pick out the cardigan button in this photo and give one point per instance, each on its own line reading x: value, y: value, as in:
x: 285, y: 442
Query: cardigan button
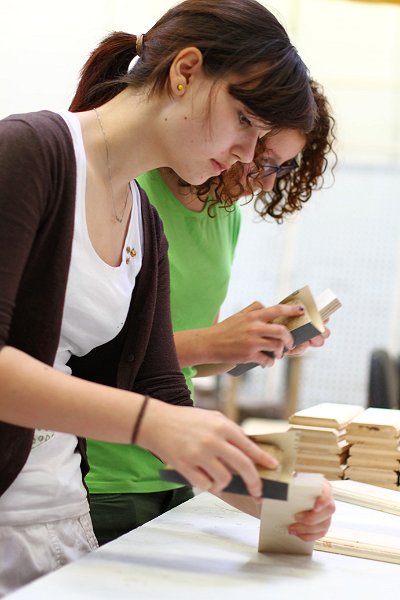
x: 130, y: 357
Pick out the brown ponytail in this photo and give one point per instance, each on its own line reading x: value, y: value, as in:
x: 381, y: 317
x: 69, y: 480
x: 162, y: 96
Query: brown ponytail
x: 102, y: 73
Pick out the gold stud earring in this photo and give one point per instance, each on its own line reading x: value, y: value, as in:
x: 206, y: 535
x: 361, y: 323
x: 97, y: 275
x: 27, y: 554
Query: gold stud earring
x: 180, y: 87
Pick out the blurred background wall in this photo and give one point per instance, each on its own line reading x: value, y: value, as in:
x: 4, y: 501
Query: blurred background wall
x: 346, y: 238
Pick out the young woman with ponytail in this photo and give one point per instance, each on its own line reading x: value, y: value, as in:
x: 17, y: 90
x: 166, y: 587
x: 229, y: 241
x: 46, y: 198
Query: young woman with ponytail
x: 86, y: 343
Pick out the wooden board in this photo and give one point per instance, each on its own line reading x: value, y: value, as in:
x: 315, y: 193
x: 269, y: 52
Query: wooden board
x: 329, y: 472
x: 318, y: 461
x: 375, y: 476
x: 373, y: 442
x: 374, y: 462
x: 376, y: 422
x: 286, y: 445
x: 322, y: 449
x: 367, y: 451
x: 364, y: 533
x: 277, y: 515
x: 367, y: 495
x: 308, y: 431
x: 327, y: 414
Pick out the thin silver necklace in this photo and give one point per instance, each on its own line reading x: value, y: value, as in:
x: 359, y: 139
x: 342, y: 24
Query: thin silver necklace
x: 117, y: 217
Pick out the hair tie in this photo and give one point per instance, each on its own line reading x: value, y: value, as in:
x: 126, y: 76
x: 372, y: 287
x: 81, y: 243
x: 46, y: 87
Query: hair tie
x: 139, y: 44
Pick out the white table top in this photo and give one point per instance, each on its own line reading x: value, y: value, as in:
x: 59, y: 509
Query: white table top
x: 207, y: 549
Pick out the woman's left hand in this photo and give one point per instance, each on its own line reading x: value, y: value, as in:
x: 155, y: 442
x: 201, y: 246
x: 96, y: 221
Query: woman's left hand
x: 313, y: 524
x: 315, y: 342
x: 309, y: 526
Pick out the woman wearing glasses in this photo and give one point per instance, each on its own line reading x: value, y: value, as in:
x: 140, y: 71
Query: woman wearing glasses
x: 124, y: 481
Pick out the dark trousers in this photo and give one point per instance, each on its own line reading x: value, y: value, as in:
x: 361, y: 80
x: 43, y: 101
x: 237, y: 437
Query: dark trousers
x: 116, y: 514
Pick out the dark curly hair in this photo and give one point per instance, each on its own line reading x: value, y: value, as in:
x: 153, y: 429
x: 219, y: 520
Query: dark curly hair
x: 290, y: 191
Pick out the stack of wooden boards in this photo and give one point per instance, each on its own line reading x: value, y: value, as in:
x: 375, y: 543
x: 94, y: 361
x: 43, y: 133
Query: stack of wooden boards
x: 345, y: 441
x: 323, y: 446
x: 374, y: 436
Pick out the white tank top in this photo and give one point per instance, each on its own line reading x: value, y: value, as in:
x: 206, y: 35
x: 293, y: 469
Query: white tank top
x: 50, y: 487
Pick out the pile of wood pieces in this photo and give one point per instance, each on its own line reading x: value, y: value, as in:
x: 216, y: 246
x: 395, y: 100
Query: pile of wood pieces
x: 323, y: 444
x: 374, y: 458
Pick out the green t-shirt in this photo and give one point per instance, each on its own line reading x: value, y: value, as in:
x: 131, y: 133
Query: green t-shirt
x: 201, y: 250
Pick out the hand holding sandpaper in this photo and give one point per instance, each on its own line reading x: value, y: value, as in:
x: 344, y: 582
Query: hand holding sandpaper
x: 281, y: 446
x: 304, y: 327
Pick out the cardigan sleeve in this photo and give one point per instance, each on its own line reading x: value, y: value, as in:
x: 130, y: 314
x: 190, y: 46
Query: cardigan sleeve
x: 37, y: 199
x: 22, y: 205
x: 37, y: 191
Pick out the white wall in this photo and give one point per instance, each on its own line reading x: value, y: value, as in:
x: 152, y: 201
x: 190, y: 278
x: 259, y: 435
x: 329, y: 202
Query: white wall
x: 43, y: 44
x: 354, y: 49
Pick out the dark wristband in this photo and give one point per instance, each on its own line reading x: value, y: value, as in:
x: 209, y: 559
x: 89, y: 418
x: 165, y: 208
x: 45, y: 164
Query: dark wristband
x: 139, y: 419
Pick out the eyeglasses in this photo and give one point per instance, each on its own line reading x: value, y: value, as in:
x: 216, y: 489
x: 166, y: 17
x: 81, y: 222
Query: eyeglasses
x: 279, y: 170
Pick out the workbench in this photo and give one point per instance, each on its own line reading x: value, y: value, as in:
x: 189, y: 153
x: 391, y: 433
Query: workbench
x: 205, y: 549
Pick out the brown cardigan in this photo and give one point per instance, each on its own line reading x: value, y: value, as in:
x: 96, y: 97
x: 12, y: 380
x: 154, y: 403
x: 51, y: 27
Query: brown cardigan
x: 37, y: 200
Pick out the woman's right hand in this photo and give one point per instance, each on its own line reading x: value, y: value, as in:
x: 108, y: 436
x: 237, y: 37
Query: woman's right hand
x: 203, y: 445
x: 248, y: 334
